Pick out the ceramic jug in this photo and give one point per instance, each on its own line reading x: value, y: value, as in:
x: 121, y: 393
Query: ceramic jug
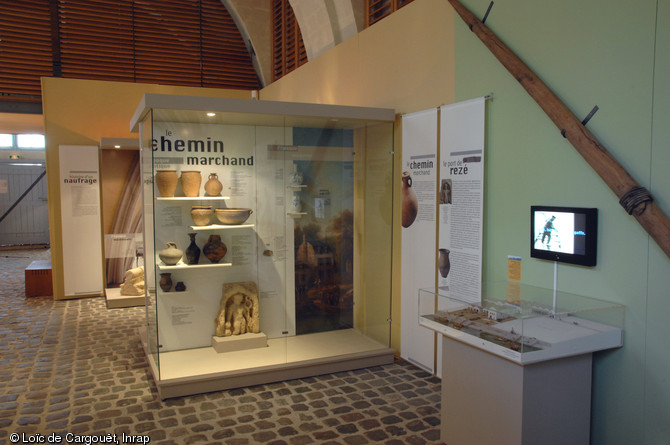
x: 213, y: 186
x: 410, y: 203
x: 171, y: 255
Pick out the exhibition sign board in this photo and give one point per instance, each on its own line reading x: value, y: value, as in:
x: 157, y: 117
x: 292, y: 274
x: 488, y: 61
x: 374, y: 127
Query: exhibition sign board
x: 442, y: 215
x: 461, y: 199
x: 80, y: 218
x: 418, y: 195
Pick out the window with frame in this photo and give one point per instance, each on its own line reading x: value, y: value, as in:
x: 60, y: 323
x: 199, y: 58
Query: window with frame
x: 27, y: 141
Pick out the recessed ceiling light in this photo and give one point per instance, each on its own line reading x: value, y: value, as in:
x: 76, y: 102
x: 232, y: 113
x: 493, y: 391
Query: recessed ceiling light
x: 117, y: 146
x: 211, y: 114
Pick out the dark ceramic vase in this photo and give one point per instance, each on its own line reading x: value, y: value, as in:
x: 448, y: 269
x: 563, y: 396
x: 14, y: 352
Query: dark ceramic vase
x: 443, y: 263
x: 214, y: 249
x: 165, y: 282
x: 192, y: 251
x: 180, y: 287
x: 410, y: 202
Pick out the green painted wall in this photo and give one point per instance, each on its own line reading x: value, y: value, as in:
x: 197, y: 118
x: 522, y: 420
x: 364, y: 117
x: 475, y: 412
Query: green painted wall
x: 614, y: 54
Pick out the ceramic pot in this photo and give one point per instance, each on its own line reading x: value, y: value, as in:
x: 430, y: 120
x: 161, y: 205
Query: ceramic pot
x: 192, y: 251
x: 201, y: 215
x: 171, y: 255
x: 190, y: 182
x: 165, y: 282
x: 295, y: 177
x: 443, y: 263
x: 214, y: 249
x: 180, y: 287
x: 295, y: 205
x: 213, y: 186
x: 232, y: 216
x: 166, y: 182
x: 410, y: 203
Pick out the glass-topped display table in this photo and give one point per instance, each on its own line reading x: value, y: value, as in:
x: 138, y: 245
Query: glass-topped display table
x: 517, y: 367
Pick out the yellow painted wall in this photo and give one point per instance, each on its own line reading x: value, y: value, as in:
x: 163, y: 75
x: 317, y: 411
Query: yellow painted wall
x: 81, y: 112
x: 404, y: 62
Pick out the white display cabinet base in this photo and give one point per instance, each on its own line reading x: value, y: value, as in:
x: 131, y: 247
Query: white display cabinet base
x: 201, y: 370
x: 116, y: 300
x: 487, y: 399
x: 239, y: 342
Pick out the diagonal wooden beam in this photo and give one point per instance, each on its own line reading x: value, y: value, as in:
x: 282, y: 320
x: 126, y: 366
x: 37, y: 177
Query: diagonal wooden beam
x: 635, y: 199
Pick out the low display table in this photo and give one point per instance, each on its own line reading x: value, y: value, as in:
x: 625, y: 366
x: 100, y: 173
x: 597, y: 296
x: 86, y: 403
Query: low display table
x: 517, y: 368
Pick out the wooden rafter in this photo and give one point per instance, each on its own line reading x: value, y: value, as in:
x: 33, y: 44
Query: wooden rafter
x: 634, y: 198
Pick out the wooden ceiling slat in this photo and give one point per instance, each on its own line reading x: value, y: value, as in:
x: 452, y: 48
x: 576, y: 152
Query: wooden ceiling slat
x: 170, y: 44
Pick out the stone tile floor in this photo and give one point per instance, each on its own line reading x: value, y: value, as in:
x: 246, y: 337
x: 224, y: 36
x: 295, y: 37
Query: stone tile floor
x: 76, y: 367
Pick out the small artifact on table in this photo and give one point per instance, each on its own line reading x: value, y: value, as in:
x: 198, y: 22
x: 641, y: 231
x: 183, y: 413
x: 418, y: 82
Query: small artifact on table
x: 133, y: 283
x: 238, y: 310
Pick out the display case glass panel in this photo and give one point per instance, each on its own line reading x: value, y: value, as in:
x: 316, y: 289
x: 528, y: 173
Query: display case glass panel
x: 302, y: 273
x: 524, y: 323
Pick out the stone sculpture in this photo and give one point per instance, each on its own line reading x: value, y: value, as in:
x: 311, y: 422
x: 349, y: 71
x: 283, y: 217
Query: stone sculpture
x: 133, y: 284
x: 238, y: 310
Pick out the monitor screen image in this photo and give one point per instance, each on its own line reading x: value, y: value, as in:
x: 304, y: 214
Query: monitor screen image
x: 564, y: 234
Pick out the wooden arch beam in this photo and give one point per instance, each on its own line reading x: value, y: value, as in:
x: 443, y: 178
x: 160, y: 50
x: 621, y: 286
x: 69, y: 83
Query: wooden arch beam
x: 635, y: 199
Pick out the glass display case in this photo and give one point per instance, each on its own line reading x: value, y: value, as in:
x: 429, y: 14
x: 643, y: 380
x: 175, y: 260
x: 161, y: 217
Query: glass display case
x: 267, y: 239
x: 523, y: 323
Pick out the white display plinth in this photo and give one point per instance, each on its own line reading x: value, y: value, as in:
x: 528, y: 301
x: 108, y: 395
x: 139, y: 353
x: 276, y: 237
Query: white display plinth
x: 487, y: 399
x: 239, y: 342
x: 200, y: 370
x: 116, y: 300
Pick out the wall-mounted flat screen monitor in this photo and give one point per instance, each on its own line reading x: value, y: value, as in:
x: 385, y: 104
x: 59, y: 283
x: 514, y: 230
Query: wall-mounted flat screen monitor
x: 564, y: 234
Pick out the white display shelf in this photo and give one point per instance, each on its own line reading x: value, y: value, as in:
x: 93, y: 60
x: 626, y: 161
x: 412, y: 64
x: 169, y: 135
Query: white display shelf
x: 222, y: 227
x: 174, y: 293
x: 193, y: 198
x: 296, y: 214
x: 297, y: 186
x: 181, y: 265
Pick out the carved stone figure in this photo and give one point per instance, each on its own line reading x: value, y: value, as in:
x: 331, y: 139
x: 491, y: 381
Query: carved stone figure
x: 238, y: 310
x: 134, y: 282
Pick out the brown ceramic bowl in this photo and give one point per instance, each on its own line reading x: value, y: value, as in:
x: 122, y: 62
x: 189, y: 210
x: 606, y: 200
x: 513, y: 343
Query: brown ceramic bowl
x: 232, y: 216
x: 201, y: 215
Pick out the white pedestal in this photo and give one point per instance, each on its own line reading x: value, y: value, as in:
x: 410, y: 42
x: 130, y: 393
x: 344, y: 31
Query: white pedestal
x: 116, y: 300
x: 239, y: 342
x: 489, y: 400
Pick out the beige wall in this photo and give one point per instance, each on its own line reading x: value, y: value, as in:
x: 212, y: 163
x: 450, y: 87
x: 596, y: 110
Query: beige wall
x: 404, y: 62
x: 81, y: 112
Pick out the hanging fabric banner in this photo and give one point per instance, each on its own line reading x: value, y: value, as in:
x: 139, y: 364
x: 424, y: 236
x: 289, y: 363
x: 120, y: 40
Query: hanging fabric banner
x: 461, y: 199
x: 418, y: 195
